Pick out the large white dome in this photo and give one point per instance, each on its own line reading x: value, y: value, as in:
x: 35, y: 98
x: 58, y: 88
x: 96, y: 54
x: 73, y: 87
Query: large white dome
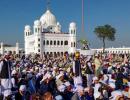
x: 48, y: 19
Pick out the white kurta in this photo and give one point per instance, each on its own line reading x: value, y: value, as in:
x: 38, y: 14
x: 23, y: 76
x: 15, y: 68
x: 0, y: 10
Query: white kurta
x: 6, y: 84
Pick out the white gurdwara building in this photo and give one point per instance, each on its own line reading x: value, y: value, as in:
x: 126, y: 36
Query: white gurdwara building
x: 47, y: 37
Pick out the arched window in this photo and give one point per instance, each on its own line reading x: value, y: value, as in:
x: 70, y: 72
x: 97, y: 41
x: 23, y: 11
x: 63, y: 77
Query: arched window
x: 35, y: 30
x: 62, y: 53
x: 38, y: 45
x: 47, y: 42
x: 51, y: 42
x: 38, y: 29
x: 54, y: 42
x: 54, y: 53
x: 74, y: 44
x: 38, y: 50
x: 66, y: 42
x: 61, y: 42
x: 58, y: 53
x: 58, y: 42
x: 38, y: 39
x: 71, y: 31
x: 74, y: 31
x: 44, y: 42
x: 71, y: 44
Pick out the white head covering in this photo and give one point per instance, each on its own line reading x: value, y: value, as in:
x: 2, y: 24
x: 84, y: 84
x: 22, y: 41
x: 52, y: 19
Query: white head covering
x: 58, y: 97
x: 61, y: 74
x: 79, y: 88
x: 88, y: 58
x: 14, y: 72
x: 128, y: 84
x: 48, y: 75
x: 61, y: 88
x: 96, y: 55
x: 116, y: 93
x: 54, y: 67
x: 36, y: 68
x: 38, y: 74
x: 44, y: 77
x: 67, y: 83
x: 44, y: 65
x: 94, y: 79
x: 7, y: 93
x: 31, y: 70
x: 112, y: 85
x: 105, y: 79
x: 97, y: 94
x: 87, y: 89
x: 78, y: 80
x: 22, y: 88
x: 24, y: 71
x: 68, y: 70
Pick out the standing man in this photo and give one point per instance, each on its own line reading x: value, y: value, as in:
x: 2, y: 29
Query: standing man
x: 97, y: 63
x: 77, y: 65
x: 89, y: 71
x: 77, y: 70
x: 5, y: 74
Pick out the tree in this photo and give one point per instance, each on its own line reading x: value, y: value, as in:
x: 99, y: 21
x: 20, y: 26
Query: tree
x: 84, y: 43
x: 105, y: 32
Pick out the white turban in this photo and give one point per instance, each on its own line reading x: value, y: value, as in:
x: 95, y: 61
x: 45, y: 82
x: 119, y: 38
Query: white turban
x: 61, y: 74
x: 61, y: 88
x: 67, y: 83
x: 7, y: 93
x: 22, y: 88
x: 14, y: 72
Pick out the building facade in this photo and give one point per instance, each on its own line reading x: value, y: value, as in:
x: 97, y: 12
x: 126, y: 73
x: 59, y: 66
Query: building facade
x: 121, y: 50
x: 12, y: 49
x: 47, y: 36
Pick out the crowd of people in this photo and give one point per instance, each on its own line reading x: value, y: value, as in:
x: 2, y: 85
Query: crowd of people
x: 65, y: 77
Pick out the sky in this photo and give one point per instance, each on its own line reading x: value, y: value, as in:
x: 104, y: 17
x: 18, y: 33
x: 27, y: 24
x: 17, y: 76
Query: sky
x: 15, y: 14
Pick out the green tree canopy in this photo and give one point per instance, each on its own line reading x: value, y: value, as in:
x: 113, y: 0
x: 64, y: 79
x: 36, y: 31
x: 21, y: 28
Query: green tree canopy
x: 105, y: 32
x: 84, y: 44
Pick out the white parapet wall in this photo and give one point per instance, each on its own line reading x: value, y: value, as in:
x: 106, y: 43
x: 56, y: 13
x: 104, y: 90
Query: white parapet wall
x: 120, y: 50
x: 87, y: 52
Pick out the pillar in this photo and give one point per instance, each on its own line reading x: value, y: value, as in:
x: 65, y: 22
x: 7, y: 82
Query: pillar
x: 2, y: 48
x: 17, y: 48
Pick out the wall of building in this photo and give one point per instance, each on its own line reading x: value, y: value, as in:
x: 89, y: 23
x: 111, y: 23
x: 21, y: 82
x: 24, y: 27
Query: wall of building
x: 51, y: 42
x: 123, y: 50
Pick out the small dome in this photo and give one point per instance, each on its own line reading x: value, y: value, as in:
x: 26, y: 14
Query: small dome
x: 58, y: 23
x: 48, y: 18
x: 37, y: 23
x: 73, y: 25
x: 27, y: 27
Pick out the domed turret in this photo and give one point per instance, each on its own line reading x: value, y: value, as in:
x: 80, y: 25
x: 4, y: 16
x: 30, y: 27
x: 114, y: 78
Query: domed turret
x: 48, y: 19
x: 37, y: 23
x: 72, y: 31
x: 27, y: 27
x: 58, y: 24
x: 27, y: 30
x: 72, y: 25
x: 72, y: 28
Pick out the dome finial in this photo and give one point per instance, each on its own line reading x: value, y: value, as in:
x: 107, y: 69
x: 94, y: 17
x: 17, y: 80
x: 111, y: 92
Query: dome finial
x: 48, y: 4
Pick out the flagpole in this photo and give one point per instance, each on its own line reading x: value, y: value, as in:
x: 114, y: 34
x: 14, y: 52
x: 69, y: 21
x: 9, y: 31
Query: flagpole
x: 83, y: 16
